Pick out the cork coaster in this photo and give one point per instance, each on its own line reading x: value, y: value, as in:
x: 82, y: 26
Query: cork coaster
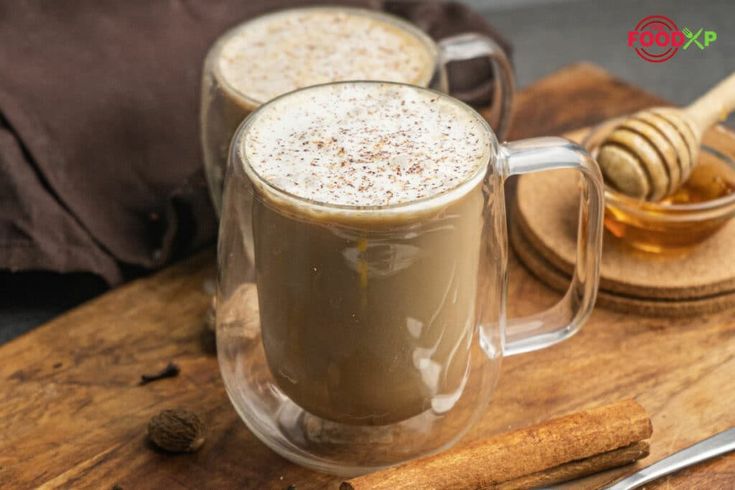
x: 547, y: 206
x: 559, y: 281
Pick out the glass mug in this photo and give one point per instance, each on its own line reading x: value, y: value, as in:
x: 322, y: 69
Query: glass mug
x: 224, y: 105
x: 345, y: 378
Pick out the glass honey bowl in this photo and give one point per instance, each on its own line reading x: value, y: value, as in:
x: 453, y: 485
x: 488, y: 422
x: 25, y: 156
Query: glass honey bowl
x: 701, y: 206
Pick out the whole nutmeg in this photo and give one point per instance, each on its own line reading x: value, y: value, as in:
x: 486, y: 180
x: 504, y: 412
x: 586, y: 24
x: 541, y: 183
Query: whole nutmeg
x: 177, y: 430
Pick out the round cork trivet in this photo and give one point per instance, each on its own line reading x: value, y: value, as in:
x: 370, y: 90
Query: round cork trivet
x: 559, y: 281
x: 546, y: 217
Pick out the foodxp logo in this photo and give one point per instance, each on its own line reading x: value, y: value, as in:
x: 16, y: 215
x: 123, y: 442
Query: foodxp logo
x: 657, y: 38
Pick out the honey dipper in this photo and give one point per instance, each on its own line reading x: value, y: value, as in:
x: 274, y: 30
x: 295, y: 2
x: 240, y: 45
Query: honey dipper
x: 651, y: 153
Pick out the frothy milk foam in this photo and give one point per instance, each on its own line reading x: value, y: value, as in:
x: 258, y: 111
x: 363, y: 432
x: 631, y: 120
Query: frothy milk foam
x: 372, y: 144
x: 281, y: 52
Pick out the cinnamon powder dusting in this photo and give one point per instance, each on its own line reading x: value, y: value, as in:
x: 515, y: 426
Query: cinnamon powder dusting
x: 366, y: 144
x: 296, y: 48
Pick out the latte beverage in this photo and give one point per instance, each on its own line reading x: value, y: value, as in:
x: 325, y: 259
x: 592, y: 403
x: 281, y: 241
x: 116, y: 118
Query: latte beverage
x: 280, y: 52
x: 367, y: 223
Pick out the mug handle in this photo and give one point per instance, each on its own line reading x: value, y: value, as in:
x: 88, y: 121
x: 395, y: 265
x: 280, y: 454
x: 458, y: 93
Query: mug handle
x: 471, y: 46
x: 564, y: 319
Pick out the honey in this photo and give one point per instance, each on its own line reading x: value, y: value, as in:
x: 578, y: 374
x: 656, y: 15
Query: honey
x: 711, y: 179
x: 698, y: 209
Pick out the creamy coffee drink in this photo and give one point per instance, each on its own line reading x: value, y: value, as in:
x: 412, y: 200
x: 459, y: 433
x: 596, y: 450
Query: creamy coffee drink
x: 280, y: 52
x: 367, y: 219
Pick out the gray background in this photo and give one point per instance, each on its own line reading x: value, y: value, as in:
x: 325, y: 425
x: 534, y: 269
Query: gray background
x: 549, y: 34
x: 546, y: 35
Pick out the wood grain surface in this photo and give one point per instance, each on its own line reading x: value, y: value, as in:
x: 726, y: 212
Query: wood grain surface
x: 74, y: 416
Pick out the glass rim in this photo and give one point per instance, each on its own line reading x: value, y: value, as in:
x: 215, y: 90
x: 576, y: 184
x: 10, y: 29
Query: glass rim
x: 429, y: 202
x: 412, y: 29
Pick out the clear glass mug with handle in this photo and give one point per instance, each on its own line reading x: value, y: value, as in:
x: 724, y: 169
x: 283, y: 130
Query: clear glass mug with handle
x: 225, y: 102
x: 354, y: 337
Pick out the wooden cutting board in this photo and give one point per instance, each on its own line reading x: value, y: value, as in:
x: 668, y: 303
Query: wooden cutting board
x: 74, y: 416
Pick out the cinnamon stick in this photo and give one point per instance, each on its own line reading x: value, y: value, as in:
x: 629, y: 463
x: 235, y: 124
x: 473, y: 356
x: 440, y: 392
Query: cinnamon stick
x: 578, y: 469
x: 550, y: 452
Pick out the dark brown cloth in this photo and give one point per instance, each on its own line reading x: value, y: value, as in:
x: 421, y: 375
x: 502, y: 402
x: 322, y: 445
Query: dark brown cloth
x: 100, y: 160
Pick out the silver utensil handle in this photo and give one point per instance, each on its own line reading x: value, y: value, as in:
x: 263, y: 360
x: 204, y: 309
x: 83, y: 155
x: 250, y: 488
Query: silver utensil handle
x: 701, y: 451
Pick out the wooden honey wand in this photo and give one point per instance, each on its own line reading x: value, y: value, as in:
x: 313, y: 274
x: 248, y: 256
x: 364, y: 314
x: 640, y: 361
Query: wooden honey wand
x: 651, y: 153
